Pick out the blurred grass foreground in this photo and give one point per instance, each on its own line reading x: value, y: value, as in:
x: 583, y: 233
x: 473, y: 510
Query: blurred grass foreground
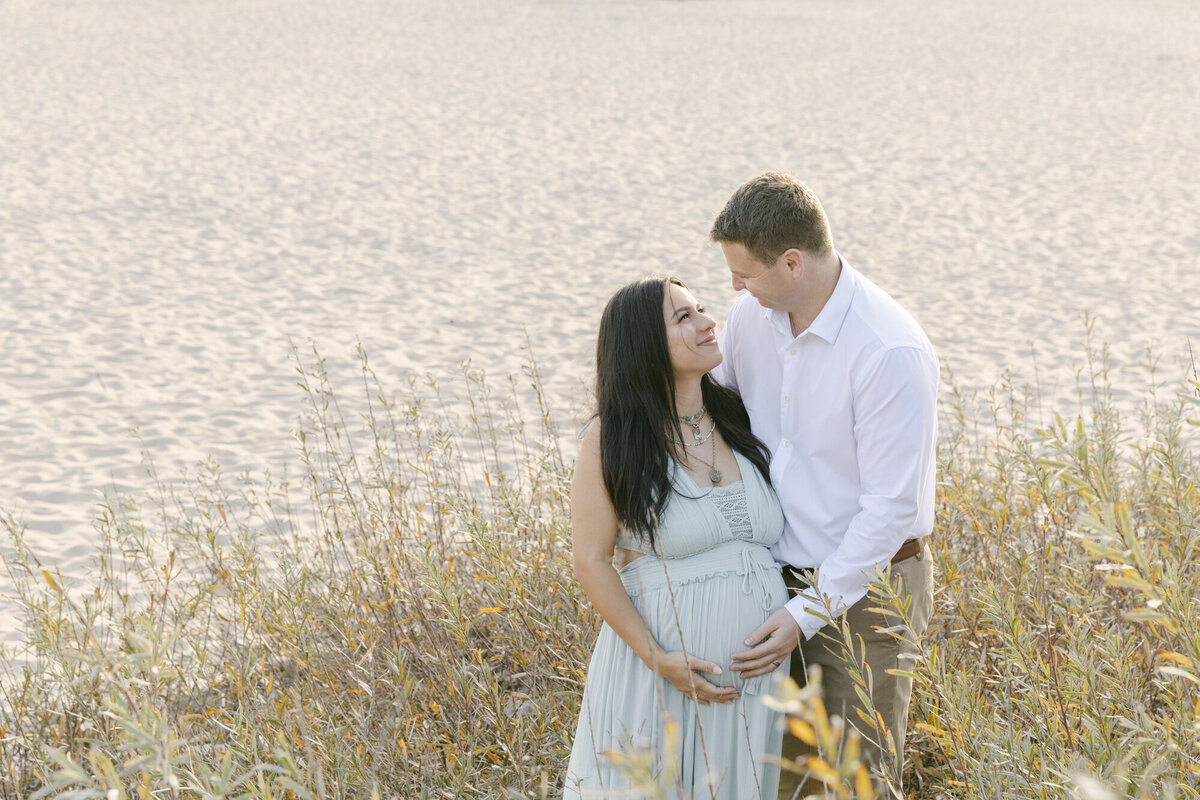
x: 416, y: 632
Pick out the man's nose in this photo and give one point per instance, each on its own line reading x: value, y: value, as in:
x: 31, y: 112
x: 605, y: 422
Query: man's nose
x: 737, y: 283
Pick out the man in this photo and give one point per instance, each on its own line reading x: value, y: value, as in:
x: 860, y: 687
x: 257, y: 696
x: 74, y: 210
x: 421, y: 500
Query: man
x: 841, y: 385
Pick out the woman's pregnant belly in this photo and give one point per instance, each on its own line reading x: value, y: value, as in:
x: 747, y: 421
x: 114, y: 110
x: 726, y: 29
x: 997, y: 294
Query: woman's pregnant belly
x: 707, y: 604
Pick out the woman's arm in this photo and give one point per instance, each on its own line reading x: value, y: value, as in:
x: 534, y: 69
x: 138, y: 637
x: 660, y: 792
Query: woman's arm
x: 594, y: 536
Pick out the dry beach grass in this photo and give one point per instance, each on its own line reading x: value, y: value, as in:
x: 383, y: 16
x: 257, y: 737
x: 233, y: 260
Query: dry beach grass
x: 421, y: 635
x: 427, y: 638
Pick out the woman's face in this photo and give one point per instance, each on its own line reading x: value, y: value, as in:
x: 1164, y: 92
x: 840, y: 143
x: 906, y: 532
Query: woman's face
x: 691, y: 334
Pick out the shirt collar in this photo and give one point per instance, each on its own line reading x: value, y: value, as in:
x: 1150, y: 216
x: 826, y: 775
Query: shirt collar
x: 828, y: 323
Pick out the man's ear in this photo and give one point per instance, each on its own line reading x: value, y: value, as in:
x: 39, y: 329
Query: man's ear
x: 794, y: 259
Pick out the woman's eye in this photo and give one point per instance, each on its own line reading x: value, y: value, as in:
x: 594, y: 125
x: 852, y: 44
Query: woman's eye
x: 684, y: 316
x: 700, y: 309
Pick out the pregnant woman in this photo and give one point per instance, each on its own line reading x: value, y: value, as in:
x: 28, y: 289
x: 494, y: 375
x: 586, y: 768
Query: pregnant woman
x: 672, y: 517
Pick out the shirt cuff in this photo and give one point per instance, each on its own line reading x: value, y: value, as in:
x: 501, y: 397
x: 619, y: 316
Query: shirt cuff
x: 801, y: 608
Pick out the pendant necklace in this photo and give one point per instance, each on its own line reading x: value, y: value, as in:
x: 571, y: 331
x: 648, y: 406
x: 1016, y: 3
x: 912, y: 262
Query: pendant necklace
x: 702, y: 440
x: 694, y: 422
x: 714, y: 474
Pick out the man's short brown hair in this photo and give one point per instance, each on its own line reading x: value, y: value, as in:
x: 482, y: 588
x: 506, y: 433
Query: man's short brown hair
x: 772, y: 214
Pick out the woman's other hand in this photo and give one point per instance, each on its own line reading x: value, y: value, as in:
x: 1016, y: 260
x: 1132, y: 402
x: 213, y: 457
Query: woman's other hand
x: 686, y: 673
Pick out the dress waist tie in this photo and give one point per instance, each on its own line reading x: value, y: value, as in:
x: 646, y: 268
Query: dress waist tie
x: 754, y: 579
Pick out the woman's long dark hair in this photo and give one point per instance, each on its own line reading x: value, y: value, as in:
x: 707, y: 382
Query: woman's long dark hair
x: 635, y: 392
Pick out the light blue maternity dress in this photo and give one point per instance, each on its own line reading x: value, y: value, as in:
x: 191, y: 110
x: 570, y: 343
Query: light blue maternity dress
x: 712, y: 582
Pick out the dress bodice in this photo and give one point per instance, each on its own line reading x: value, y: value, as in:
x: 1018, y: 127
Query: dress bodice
x: 699, y: 518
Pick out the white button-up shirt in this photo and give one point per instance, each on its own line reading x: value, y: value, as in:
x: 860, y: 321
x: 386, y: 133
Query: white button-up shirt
x: 848, y: 411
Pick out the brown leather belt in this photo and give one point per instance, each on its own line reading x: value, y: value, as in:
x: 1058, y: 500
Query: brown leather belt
x: 910, y: 548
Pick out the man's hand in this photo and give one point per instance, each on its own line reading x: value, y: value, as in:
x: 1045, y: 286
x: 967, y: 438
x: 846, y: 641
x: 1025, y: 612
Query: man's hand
x: 772, y: 641
x: 684, y: 673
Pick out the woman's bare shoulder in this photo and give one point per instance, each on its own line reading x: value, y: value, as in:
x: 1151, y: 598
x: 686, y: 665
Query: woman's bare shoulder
x: 589, y: 436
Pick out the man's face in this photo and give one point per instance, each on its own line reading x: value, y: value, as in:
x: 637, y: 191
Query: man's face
x: 771, y: 286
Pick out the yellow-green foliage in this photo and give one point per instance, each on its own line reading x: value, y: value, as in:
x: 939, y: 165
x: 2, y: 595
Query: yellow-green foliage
x: 415, y: 630
x: 1065, y: 651
x: 426, y: 640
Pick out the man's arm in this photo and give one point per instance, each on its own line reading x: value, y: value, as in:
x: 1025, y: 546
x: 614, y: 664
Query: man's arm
x: 895, y: 430
x: 895, y: 413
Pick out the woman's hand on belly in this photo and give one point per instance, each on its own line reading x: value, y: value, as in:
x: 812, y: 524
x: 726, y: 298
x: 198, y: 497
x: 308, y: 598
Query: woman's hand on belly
x: 686, y: 673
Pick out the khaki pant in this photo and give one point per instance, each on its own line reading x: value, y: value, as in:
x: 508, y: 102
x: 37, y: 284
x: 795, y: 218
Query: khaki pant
x: 883, y: 652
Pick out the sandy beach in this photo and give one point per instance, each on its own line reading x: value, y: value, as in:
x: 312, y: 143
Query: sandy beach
x: 189, y: 188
